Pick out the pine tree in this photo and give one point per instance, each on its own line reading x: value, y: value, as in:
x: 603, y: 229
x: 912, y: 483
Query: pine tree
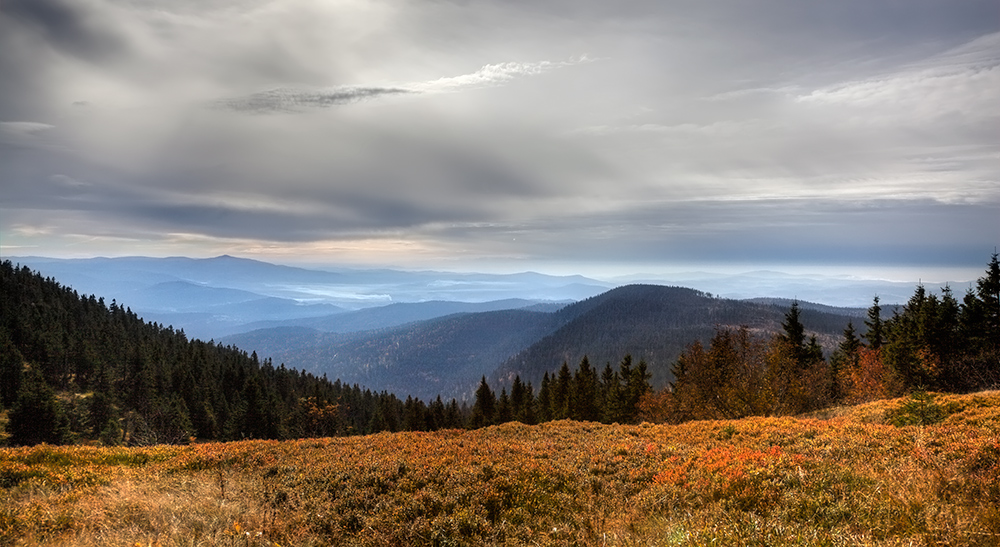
x: 522, y: 401
x: 876, y: 333
x: 988, y: 291
x: 637, y: 386
x: 562, y: 394
x: 505, y: 412
x: 608, y: 392
x: 844, y: 358
x: 585, y: 393
x: 484, y: 411
x: 37, y: 415
x: 543, y: 403
x: 795, y: 331
x: 11, y: 367
x: 453, y: 416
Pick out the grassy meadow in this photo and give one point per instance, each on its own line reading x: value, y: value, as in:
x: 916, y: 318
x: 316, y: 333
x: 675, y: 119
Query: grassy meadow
x: 848, y: 476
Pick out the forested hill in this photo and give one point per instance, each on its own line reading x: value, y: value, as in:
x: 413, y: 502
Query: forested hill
x: 445, y: 356
x: 73, y: 368
x: 652, y: 323
x: 449, y: 355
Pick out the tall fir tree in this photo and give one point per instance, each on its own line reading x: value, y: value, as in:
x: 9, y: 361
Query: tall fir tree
x: 585, y: 393
x: 876, y: 332
x: 37, y: 415
x: 562, y: 394
x: 543, y: 404
x: 484, y: 410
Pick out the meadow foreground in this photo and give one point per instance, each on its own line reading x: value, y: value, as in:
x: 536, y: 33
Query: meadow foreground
x: 848, y: 477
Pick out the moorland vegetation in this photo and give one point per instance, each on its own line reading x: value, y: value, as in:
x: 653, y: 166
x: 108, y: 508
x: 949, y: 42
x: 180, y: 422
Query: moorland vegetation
x: 847, y: 477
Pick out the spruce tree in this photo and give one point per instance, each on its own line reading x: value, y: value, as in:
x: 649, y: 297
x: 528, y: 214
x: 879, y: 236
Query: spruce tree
x: 505, y: 412
x: 485, y: 408
x: 562, y: 394
x: 585, y: 393
x: 543, y: 404
x: 11, y: 367
x: 844, y: 359
x: 795, y: 331
x: 37, y: 415
x: 876, y: 332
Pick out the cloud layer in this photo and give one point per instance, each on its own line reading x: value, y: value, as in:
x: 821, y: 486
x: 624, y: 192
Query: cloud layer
x: 434, y: 134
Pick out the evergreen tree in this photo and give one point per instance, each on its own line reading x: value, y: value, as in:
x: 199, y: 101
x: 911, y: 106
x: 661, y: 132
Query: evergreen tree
x: 437, y: 412
x: 103, y: 419
x: 522, y: 401
x: 843, y: 359
x: 988, y: 291
x: 621, y: 398
x: 794, y: 330
x: 637, y: 386
x: 37, y: 415
x: 562, y: 394
x: 484, y: 411
x: 805, y: 354
x: 505, y: 411
x: 876, y: 333
x: 585, y: 393
x: 11, y: 367
x: 543, y: 403
x: 610, y: 387
x: 453, y: 416
x: 413, y: 415
x: 528, y: 416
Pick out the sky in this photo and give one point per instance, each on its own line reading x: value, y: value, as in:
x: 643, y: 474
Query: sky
x: 563, y: 136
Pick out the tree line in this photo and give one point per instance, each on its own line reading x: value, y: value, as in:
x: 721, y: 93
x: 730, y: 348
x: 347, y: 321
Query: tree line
x: 75, y: 369
x: 581, y: 394
x: 931, y: 343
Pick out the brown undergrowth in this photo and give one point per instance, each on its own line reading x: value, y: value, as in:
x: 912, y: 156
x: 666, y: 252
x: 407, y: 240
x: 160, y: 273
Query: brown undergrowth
x: 847, y: 478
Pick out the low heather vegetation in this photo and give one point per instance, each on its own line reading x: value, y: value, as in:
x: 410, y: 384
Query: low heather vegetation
x: 848, y: 477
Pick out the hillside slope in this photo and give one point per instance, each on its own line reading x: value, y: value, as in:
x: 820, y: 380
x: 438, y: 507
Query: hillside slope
x: 443, y: 356
x: 653, y: 323
x: 449, y: 355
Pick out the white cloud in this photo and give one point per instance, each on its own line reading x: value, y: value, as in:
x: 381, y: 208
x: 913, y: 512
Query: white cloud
x: 292, y: 99
x: 963, y: 80
x: 489, y: 76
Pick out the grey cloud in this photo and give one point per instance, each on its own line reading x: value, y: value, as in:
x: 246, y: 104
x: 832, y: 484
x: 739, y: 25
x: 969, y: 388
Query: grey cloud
x: 69, y: 26
x: 293, y: 100
x: 766, y: 231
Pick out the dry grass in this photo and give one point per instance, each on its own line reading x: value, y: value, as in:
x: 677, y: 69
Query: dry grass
x: 851, y: 479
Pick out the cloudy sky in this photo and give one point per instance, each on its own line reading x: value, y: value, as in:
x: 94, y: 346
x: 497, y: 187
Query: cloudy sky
x: 574, y: 135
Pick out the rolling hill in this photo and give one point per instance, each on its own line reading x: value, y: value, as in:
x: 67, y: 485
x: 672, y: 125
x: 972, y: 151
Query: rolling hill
x: 653, y: 323
x: 449, y: 355
x: 439, y: 356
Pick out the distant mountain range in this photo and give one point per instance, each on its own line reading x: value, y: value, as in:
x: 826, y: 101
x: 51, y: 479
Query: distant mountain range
x: 428, y: 333
x: 214, y: 297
